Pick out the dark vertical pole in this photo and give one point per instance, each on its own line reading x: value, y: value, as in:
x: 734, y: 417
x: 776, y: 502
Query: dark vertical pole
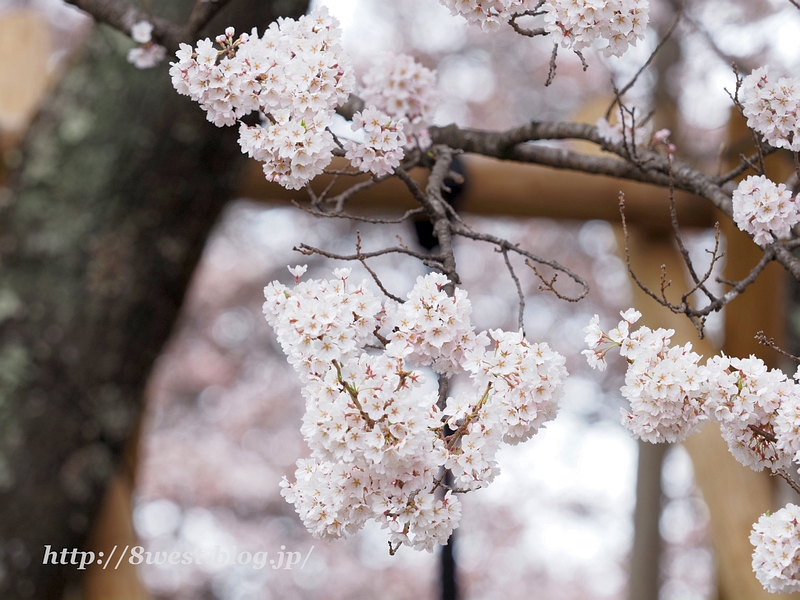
x: 448, y: 562
x: 646, y: 552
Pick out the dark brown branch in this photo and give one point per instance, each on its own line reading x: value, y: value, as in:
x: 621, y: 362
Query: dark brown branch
x: 353, y: 105
x: 551, y: 73
x: 122, y: 15
x: 435, y: 206
x: 651, y: 167
x: 783, y: 472
x: 444, y: 388
x: 535, y: 12
x: 770, y: 343
x: 763, y: 433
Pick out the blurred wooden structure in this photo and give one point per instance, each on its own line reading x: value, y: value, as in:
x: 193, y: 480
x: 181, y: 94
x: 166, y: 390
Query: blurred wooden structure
x: 26, y: 44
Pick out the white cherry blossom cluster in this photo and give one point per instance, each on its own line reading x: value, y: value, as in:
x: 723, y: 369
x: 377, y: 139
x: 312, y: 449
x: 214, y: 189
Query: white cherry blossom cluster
x: 488, y: 14
x: 516, y: 389
x: 757, y: 408
x: 379, y: 444
x: 663, y: 384
x: 744, y: 396
x: 764, y: 209
x: 294, y: 76
x: 403, y: 89
x: 318, y: 321
x: 786, y: 423
x: 576, y: 24
x: 776, y: 559
x: 671, y: 394
x: 382, y: 149
x: 771, y: 108
x: 147, y: 54
x: 432, y: 328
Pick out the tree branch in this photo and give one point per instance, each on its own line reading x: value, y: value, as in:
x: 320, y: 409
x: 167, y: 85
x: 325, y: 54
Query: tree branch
x: 122, y: 15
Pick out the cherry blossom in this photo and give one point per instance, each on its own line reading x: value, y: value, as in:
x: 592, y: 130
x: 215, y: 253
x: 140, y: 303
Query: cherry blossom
x: 379, y: 444
x: 776, y: 559
x: 744, y: 396
x: 764, y: 209
x: 771, y: 107
x: 382, y: 149
x: 141, y: 32
x: 295, y: 75
x: 403, y: 89
x: 147, y: 54
x: 577, y: 24
x: 664, y: 384
x: 488, y: 14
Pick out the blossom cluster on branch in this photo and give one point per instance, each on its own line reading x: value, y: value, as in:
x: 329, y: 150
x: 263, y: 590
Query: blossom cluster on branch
x: 771, y: 107
x: 294, y: 76
x: 776, y: 560
x: 758, y: 411
x: 402, y: 88
x: 764, y: 209
x: 671, y: 394
x: 488, y: 14
x: 576, y: 24
x: 382, y: 149
x: 379, y: 444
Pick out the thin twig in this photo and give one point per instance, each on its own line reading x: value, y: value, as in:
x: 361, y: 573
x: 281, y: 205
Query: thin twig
x: 783, y: 472
x: 508, y: 246
x: 745, y: 162
x: 770, y: 343
x: 307, y: 250
x: 374, y: 275
x: 343, y: 215
x: 510, y: 267
x: 696, y: 315
x: 551, y: 74
x: 650, y: 58
x: 699, y: 282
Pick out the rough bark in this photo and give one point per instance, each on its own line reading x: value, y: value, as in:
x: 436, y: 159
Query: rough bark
x: 99, y: 233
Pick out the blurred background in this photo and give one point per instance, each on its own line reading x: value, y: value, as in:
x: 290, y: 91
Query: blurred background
x: 205, y: 438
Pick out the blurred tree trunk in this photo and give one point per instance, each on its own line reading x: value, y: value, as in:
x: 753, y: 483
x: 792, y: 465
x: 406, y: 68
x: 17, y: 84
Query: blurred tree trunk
x: 122, y: 180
